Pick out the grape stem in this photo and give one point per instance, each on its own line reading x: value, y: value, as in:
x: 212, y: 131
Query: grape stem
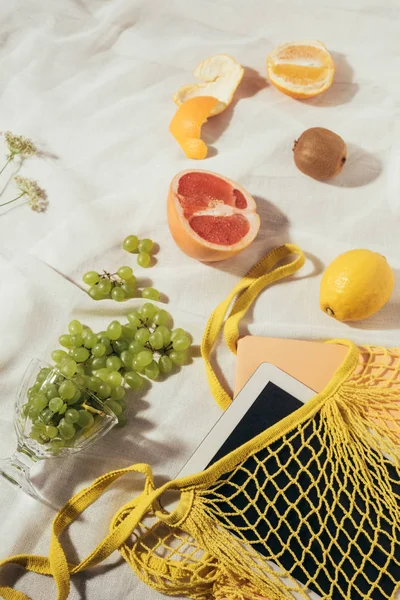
x: 92, y: 410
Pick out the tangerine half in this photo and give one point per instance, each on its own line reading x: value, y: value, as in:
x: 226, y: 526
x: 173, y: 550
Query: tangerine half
x: 211, y: 217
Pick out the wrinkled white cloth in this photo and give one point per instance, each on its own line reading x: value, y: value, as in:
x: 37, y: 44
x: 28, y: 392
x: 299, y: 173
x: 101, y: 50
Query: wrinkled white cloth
x: 91, y: 82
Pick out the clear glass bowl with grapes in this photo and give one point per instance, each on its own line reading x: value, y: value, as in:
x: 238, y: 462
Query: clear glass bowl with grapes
x: 55, y: 415
x: 63, y: 408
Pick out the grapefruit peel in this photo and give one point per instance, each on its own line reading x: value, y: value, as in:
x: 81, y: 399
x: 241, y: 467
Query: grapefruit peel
x: 219, y: 77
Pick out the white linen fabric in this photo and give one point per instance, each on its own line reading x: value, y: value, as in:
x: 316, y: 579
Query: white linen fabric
x: 91, y: 82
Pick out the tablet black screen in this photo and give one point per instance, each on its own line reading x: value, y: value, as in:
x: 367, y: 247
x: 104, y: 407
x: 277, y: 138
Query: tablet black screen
x: 343, y: 512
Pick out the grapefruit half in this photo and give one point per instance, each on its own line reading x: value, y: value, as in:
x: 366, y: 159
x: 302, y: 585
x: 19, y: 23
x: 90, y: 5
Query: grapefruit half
x: 211, y: 217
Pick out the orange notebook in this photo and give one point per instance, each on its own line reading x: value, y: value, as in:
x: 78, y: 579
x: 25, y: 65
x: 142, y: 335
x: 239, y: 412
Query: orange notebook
x: 312, y: 363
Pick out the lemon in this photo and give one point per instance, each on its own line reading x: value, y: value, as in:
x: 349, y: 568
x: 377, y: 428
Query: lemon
x: 356, y: 285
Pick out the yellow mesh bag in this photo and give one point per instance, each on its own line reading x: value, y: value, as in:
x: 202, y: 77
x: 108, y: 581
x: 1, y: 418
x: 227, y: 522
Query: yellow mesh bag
x: 310, y: 505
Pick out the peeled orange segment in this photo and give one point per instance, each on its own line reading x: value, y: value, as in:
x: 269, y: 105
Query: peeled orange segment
x: 301, y: 69
x: 220, y: 75
x: 211, y: 218
x: 187, y: 123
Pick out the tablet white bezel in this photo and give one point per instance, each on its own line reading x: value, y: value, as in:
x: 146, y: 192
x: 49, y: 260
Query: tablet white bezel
x: 266, y: 373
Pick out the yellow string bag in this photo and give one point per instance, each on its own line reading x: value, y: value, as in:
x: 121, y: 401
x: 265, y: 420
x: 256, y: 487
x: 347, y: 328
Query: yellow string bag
x: 311, y: 503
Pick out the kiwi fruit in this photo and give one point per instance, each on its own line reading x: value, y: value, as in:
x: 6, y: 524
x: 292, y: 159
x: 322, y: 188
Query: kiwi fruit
x: 320, y: 153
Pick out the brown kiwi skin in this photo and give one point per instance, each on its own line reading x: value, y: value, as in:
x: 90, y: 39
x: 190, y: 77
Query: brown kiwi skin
x: 320, y: 153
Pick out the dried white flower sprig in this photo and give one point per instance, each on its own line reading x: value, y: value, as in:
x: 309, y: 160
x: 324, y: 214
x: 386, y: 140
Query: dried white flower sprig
x: 18, y: 145
x: 37, y: 197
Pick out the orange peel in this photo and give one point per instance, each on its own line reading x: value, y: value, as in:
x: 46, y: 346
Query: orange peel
x: 219, y: 77
x: 187, y: 123
x: 301, y: 69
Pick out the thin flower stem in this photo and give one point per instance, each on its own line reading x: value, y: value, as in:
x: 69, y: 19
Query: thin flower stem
x: 17, y: 198
x: 9, y: 159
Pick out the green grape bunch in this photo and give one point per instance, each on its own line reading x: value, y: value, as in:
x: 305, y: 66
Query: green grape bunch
x: 103, y: 364
x: 119, y: 286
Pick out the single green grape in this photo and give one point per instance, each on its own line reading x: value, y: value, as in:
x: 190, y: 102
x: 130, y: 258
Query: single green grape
x: 104, y: 286
x: 67, y: 390
x: 71, y: 415
x: 62, y: 410
x: 46, y: 415
x: 114, y: 378
x: 75, y: 327
x: 75, y: 398
x: 67, y: 430
x: 114, y: 330
x: 51, y: 391
x: 178, y: 358
x: 131, y: 243
x: 33, y: 413
x: 104, y: 339
x: 165, y: 364
x: 55, y: 404
x: 94, y: 383
x: 181, y: 343
x: 65, y: 340
x: 86, y: 331
x: 178, y: 332
x: 77, y: 340
x: 98, y: 350
x: 99, y: 363
x: 121, y: 345
x: 114, y: 362
x: 134, y: 380
x: 117, y: 393
x: 39, y: 401
x: 68, y: 367
x: 161, y: 317
x: 114, y: 406
x: 121, y: 420
x: 146, y: 245
x: 122, y: 404
x: 80, y: 369
x: 103, y: 374
x: 58, y: 355
x: 143, y: 259
x: 127, y: 358
x: 118, y: 294
x: 128, y: 290
x: 128, y: 331
x: 136, y: 365
x: 142, y: 336
x: 104, y: 390
x: 144, y: 358
x: 85, y: 419
x: 151, y: 293
x: 79, y: 380
x: 166, y: 334
x: 91, y: 277
x: 51, y: 431
x: 125, y: 273
x: 135, y: 347
x: 79, y: 354
x: 148, y: 310
x: 134, y: 318
x: 156, y: 340
x: 42, y: 375
x: 36, y: 387
x: 95, y: 293
x: 90, y: 340
x: 152, y: 371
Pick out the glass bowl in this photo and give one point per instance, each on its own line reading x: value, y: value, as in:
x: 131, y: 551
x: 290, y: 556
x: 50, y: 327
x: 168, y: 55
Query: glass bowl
x: 54, y: 416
